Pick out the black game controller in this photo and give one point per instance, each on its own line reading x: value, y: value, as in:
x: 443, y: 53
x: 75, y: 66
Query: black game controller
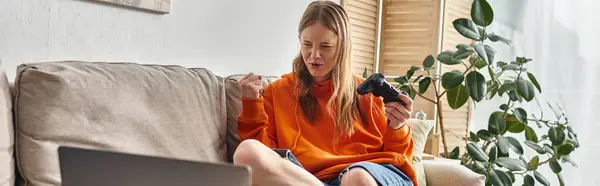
x: 379, y: 87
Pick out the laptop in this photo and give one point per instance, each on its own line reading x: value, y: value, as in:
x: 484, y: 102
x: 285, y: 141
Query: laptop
x: 88, y: 167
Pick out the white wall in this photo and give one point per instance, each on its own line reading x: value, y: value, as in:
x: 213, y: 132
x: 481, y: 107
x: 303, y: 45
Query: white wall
x: 559, y: 37
x: 234, y: 36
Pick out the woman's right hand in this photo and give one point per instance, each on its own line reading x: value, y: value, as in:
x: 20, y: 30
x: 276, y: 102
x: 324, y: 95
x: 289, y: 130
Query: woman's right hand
x: 251, y: 86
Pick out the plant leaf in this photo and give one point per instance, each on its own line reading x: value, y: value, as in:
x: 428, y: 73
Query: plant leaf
x: 525, y: 89
x: 503, y: 143
x: 534, y: 163
x: 495, y: 179
x: 515, y: 145
x: 484, y: 134
x: 492, y: 90
x: 424, y: 85
x: 476, y: 167
x: 365, y: 74
x: 507, y: 86
x: 455, y: 153
x: 523, y: 160
x: 496, y: 123
x: 521, y: 115
x: 407, y: 89
x: 466, y: 28
x: 446, y: 58
x: 479, y: 64
x: 501, y: 64
x: 556, y: 135
x: 462, y: 53
x: 411, y: 71
x: 528, y: 181
x: 485, y: 52
x: 540, y: 178
x: 535, y: 146
x: 476, y: 85
x: 515, y: 126
x: 465, y: 46
x: 401, y: 80
x: 506, y: 180
x: 555, y: 166
x: 476, y: 152
x: 534, y: 81
x: 522, y: 60
x: 511, y: 164
x: 512, y: 124
x: 473, y: 137
x: 452, y: 79
x: 530, y: 134
x: 495, y: 38
x: 504, y: 107
x: 482, y: 13
x: 548, y: 149
x: 568, y: 159
x: 566, y: 149
x: 493, y: 154
x: 510, y: 67
x: 513, y: 96
x: 457, y: 96
x: 418, y: 78
x: 429, y: 61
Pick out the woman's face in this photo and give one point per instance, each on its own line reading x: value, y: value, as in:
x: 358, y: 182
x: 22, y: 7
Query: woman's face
x: 319, y: 50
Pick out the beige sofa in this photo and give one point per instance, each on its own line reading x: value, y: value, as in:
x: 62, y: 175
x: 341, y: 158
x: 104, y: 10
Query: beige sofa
x: 160, y: 110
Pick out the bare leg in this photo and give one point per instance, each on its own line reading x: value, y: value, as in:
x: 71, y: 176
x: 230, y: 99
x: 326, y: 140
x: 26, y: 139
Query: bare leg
x: 268, y: 168
x: 359, y: 177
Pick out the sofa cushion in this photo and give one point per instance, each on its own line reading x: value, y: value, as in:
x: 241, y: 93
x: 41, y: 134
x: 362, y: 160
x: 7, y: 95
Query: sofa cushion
x: 165, y: 111
x: 420, y: 128
x: 7, y: 161
x: 234, y: 108
x: 419, y: 131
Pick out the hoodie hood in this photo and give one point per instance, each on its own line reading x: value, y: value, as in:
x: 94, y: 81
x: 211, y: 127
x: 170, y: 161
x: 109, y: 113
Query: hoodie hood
x: 323, y: 88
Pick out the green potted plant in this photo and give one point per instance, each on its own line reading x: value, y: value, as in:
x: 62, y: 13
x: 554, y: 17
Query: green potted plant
x: 493, y: 151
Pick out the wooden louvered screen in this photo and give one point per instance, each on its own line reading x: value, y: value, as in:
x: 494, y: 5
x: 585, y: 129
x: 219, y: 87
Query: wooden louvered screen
x: 410, y: 30
x: 364, y: 20
x: 455, y: 121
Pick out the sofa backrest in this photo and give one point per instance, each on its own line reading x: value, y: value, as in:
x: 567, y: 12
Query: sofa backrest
x: 7, y: 161
x: 157, y: 110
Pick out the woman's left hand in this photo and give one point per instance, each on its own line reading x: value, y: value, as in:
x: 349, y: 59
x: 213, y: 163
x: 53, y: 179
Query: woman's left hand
x: 397, y: 113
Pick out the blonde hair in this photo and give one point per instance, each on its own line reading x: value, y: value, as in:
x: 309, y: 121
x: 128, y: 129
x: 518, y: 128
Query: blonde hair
x: 343, y: 104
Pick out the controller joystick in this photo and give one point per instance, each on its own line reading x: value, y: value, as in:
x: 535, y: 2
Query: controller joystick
x: 377, y: 85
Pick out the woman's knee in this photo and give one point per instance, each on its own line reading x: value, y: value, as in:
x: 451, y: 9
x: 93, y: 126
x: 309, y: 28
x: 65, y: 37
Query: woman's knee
x: 357, y: 176
x: 250, y: 152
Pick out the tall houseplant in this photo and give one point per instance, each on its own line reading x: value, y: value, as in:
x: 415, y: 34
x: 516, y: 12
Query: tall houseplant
x: 492, y: 151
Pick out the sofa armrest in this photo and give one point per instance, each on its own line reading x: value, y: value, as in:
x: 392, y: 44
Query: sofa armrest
x: 444, y: 172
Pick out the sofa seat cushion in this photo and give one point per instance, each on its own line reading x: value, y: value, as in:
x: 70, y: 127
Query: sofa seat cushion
x: 7, y: 160
x: 165, y: 111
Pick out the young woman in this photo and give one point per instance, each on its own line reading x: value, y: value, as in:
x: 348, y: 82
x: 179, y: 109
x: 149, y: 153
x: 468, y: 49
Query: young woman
x: 336, y: 136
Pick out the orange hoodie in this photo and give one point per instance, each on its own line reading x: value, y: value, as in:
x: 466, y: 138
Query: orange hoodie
x: 276, y: 120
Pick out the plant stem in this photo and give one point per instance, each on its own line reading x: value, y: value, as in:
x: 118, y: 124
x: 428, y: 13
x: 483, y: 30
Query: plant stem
x: 440, y: 118
x: 420, y: 95
x: 544, y: 162
x: 485, y: 145
x: 487, y: 170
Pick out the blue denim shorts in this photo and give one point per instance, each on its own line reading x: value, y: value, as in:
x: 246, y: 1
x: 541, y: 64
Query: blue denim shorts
x: 384, y: 174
